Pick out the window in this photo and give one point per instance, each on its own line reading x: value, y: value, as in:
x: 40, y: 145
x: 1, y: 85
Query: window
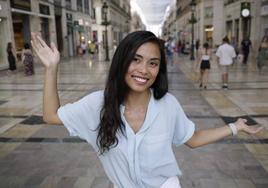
x: 208, y: 12
x: 24, y: 5
x: 93, y: 13
x: 86, y: 4
x: 79, y: 5
x: 44, y: 9
x: 68, y: 4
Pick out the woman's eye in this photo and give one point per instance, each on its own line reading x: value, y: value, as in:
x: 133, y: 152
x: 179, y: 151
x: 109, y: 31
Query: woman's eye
x: 135, y: 59
x: 153, y: 64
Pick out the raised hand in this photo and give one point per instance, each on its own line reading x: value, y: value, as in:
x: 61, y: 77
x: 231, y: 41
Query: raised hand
x: 242, y: 126
x: 49, y: 56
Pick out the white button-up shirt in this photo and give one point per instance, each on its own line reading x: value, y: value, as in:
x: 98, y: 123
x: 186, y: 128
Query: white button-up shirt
x: 226, y: 53
x: 141, y: 160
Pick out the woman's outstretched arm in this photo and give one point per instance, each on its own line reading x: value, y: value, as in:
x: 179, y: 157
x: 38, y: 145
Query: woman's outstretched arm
x: 50, y: 58
x: 207, y: 136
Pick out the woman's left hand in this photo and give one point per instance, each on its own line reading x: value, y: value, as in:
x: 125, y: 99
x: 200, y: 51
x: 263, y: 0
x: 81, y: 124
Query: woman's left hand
x: 242, y: 126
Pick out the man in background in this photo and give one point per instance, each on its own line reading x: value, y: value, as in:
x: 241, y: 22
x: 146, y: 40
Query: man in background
x: 225, y: 55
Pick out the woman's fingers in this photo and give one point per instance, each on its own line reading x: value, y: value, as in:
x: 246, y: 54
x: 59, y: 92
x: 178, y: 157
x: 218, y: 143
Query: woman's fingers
x: 36, y: 42
x: 53, y: 47
x: 41, y: 41
x: 34, y: 46
x: 254, y: 129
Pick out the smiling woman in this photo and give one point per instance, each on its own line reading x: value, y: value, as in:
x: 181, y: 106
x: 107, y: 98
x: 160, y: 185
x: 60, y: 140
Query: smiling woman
x: 144, y: 68
x: 134, y: 121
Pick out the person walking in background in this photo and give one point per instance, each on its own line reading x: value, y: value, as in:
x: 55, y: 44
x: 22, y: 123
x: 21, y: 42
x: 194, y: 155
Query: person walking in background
x: 245, y: 45
x: 28, y: 60
x: 92, y: 48
x: 11, y: 57
x: 204, y: 55
x: 134, y: 120
x: 170, y: 45
x: 262, y: 56
x: 179, y: 48
x: 234, y: 44
x: 197, y: 45
x: 225, y: 56
x: 83, y: 47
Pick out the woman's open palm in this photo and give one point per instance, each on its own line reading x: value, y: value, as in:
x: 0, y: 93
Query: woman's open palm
x: 48, y: 56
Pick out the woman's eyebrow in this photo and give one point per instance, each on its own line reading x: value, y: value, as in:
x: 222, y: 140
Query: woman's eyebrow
x: 154, y: 58
x: 138, y: 55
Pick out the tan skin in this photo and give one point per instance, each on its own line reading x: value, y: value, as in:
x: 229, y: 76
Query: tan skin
x: 139, y: 80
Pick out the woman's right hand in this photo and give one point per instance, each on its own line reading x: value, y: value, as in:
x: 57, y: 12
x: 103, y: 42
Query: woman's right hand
x: 49, y: 56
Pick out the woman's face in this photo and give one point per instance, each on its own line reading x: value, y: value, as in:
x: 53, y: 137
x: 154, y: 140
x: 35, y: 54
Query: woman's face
x: 144, y: 68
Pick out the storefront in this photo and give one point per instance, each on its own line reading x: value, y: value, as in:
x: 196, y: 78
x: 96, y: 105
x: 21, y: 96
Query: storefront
x: 21, y: 24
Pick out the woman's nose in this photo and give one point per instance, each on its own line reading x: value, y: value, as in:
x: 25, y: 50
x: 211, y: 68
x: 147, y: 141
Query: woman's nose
x: 143, y: 67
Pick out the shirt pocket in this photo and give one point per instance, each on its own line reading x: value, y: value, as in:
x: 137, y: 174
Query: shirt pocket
x: 156, y: 153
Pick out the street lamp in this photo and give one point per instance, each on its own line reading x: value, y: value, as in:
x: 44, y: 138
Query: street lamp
x: 105, y: 11
x: 192, y: 21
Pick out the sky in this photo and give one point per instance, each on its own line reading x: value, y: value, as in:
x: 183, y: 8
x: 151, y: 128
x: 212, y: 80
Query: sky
x: 152, y: 12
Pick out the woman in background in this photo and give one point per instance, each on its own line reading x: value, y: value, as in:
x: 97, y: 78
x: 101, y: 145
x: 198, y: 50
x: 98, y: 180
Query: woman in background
x: 11, y: 57
x: 27, y: 59
x: 262, y: 56
x: 204, y: 55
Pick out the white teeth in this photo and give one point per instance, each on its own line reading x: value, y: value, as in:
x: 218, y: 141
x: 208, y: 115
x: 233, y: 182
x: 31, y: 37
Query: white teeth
x: 140, y: 79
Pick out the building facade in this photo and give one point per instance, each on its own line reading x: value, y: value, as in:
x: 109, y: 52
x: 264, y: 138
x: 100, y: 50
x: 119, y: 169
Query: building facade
x: 118, y: 21
x: 20, y: 18
x: 136, y: 23
x: 67, y: 23
x: 216, y: 19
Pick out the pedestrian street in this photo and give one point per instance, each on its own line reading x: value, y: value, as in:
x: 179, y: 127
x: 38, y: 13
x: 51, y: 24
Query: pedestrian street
x: 34, y: 154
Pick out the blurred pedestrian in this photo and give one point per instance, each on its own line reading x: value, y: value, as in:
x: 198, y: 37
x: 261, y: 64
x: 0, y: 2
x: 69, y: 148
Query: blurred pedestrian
x: 134, y: 121
x: 234, y: 44
x: 245, y: 45
x: 204, y: 56
x: 197, y: 45
x: 92, y: 48
x: 28, y: 60
x: 11, y: 57
x: 225, y: 56
x: 262, y: 56
x: 83, y: 47
x: 179, y: 48
x: 170, y: 46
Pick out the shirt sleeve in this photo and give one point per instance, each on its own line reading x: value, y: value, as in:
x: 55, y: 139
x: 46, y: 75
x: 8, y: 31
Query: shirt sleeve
x: 81, y: 118
x: 218, y: 52
x: 233, y: 54
x: 184, y: 128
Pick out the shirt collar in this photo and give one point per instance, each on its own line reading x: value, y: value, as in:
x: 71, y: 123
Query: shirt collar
x: 152, y: 112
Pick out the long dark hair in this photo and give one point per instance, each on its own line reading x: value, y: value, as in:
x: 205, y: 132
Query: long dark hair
x: 116, y: 88
x: 205, y: 45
